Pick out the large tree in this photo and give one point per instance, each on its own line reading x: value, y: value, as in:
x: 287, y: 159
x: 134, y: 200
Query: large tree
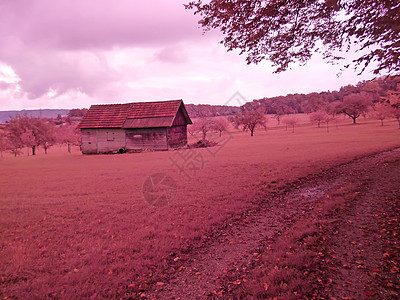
x: 288, y: 31
x: 30, y: 132
x: 249, y: 119
x: 355, y: 104
x: 68, y: 135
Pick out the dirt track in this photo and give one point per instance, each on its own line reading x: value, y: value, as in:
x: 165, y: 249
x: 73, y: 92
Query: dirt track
x: 352, y: 257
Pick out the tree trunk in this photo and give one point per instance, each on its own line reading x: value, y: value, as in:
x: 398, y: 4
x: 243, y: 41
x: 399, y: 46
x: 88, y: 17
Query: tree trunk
x: 69, y: 148
x: 33, y: 150
x: 251, y: 132
x: 319, y: 125
x: 382, y: 122
x: 354, y: 120
x: 27, y: 151
x: 45, y: 150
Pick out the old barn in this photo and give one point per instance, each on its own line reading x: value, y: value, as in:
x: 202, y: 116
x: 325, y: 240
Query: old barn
x: 135, y: 126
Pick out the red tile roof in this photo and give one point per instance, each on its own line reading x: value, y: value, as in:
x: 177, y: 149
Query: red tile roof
x: 154, y: 109
x: 106, y: 116
x: 141, y: 114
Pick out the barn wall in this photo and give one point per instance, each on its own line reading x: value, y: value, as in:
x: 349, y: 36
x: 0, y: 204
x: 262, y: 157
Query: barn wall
x: 89, y: 141
x: 102, y: 140
x: 146, y: 138
x: 110, y: 140
x: 180, y: 118
x: 177, y: 136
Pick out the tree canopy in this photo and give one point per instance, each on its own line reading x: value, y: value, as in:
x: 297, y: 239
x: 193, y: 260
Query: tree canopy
x: 289, y: 31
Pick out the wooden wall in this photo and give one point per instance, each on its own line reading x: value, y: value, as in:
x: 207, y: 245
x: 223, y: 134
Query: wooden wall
x: 111, y: 140
x: 146, y: 138
x: 179, y: 118
x: 177, y: 136
x: 102, y: 140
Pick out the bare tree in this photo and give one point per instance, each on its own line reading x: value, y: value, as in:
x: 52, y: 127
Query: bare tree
x: 202, y: 125
x: 292, y: 122
x: 328, y: 119
x: 220, y: 125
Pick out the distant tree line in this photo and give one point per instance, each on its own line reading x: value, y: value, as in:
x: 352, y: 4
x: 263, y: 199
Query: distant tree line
x: 380, y: 98
x: 33, y: 132
x: 207, y: 110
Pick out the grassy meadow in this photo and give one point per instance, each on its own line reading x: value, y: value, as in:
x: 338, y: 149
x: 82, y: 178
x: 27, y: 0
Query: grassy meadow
x: 78, y: 226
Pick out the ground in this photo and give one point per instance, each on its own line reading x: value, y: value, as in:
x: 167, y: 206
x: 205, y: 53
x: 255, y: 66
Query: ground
x: 76, y: 226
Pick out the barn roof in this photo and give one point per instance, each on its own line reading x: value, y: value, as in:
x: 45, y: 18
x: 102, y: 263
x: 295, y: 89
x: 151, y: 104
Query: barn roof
x: 133, y: 115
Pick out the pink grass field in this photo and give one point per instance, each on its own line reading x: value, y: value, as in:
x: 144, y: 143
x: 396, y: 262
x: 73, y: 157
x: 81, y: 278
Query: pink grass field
x: 74, y: 226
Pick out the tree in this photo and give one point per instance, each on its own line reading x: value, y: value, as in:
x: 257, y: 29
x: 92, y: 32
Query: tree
x: 381, y: 111
x: 281, y: 109
x: 30, y: 132
x: 333, y: 108
x: 220, y: 125
x: 318, y: 117
x: 285, y: 32
x: 328, y: 119
x: 67, y: 135
x: 4, y: 144
x: 202, y: 125
x: 76, y: 112
x: 249, y: 120
x: 44, y: 131
x: 394, y: 101
x: 354, y: 105
x: 396, y: 112
x: 292, y: 122
x: 15, y: 135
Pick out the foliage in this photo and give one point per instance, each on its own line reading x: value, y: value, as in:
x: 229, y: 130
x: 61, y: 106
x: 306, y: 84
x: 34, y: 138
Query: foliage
x: 4, y: 144
x: 68, y: 135
x: 220, y: 125
x: 394, y: 101
x: 249, y: 120
x: 206, y: 110
x: 285, y: 32
x: 202, y: 125
x: 318, y: 117
x: 30, y: 132
x: 355, y: 104
x: 76, y: 112
x: 292, y: 122
x: 381, y: 111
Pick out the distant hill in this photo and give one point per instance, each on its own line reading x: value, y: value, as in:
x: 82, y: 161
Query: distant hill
x: 193, y: 110
x: 44, y: 113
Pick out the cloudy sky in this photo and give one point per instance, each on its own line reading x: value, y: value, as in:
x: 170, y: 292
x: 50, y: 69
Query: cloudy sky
x: 74, y: 53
